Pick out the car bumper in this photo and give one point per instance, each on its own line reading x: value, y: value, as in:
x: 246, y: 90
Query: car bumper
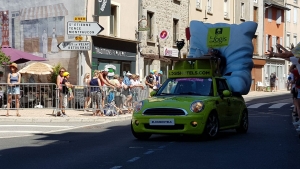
x: 182, y: 124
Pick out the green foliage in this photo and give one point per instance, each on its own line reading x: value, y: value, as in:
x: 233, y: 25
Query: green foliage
x: 55, y: 73
x: 4, y: 59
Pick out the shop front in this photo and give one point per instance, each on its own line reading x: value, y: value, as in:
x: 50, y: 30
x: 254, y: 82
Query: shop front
x: 118, y: 55
x: 276, y: 66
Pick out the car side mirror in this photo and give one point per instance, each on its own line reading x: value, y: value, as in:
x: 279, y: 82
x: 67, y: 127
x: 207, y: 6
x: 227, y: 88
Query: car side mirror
x: 153, y: 93
x: 226, y: 93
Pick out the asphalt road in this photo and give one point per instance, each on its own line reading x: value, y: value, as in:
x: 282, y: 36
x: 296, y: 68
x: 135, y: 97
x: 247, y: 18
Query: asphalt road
x: 271, y: 142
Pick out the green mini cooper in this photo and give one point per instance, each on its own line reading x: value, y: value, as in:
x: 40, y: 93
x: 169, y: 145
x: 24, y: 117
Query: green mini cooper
x: 192, y: 102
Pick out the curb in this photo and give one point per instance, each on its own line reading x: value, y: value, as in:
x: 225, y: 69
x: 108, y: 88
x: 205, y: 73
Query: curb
x: 62, y: 119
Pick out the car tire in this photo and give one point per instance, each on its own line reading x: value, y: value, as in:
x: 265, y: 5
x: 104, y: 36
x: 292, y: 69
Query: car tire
x: 211, y: 129
x: 244, y: 123
x: 140, y: 136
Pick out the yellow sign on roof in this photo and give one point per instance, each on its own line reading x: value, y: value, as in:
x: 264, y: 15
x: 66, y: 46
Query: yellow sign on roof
x: 190, y: 73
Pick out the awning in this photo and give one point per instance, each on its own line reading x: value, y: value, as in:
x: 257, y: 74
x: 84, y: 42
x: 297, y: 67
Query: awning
x: 39, y: 12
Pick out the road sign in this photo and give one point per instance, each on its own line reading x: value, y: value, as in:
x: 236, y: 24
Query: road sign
x: 164, y: 34
x: 80, y: 18
x: 84, y: 28
x: 84, y: 45
x: 79, y: 38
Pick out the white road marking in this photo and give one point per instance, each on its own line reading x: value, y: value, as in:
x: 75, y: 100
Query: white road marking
x: 133, y: 159
x: 162, y: 147
x: 53, y: 131
x: 256, y: 105
x: 278, y: 105
x: 136, y: 147
x: 149, y: 152
x: 21, y: 132
x: 292, y: 106
x: 72, y: 128
x: 33, y: 126
x: 116, y: 167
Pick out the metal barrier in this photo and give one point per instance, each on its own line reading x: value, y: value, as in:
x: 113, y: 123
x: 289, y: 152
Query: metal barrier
x: 29, y: 95
x: 88, y: 98
x: 109, y: 101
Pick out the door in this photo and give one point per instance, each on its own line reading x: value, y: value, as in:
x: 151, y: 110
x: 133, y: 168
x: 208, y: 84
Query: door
x: 224, y: 104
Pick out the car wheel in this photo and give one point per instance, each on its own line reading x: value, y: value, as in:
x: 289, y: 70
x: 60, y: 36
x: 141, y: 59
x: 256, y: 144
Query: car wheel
x: 212, y: 126
x: 140, y: 136
x: 244, y: 122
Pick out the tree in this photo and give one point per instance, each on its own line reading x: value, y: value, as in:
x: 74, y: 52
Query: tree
x: 4, y: 59
x: 55, y: 73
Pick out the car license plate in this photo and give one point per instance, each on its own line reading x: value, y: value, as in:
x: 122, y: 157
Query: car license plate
x: 161, y: 122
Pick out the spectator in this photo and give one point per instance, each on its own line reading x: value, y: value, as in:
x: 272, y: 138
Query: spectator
x: 289, y: 82
x: 66, y: 89
x: 13, y: 89
x: 105, y: 83
x: 87, y: 92
x: 294, y: 76
x: 59, y: 80
x: 96, y: 90
x: 273, y: 81
x: 126, y: 92
x: 150, y: 82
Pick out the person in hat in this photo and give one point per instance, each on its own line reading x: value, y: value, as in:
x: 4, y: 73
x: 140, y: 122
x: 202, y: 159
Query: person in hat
x: 13, y: 89
x: 59, y: 80
x: 127, y: 92
x: 105, y: 82
x: 66, y: 89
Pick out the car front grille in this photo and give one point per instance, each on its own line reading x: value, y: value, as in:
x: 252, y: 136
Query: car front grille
x: 175, y: 127
x: 165, y: 112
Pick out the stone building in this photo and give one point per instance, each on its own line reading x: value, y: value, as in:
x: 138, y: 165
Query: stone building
x: 161, y: 23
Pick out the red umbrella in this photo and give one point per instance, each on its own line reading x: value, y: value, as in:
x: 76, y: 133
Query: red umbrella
x: 18, y: 56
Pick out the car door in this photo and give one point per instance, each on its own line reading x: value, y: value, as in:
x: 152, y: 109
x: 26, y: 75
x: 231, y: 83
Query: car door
x: 227, y: 107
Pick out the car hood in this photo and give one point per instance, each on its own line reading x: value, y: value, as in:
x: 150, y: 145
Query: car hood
x: 174, y: 99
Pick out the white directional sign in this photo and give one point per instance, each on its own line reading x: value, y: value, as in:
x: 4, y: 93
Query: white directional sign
x: 84, y: 45
x: 84, y: 28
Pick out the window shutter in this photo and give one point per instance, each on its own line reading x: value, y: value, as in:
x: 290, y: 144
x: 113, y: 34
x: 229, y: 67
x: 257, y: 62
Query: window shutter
x: 295, y: 15
x: 287, y: 40
x: 274, y: 43
x: 288, y: 14
x: 267, y: 42
x: 278, y: 20
x: 270, y: 14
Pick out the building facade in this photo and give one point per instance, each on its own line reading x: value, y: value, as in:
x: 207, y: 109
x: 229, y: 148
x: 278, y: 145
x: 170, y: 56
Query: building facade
x: 274, y: 29
x: 161, y: 24
x: 292, y: 25
x: 114, y: 48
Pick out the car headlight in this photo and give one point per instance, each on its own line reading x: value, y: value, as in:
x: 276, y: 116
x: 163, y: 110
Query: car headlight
x: 138, y: 107
x: 197, y: 106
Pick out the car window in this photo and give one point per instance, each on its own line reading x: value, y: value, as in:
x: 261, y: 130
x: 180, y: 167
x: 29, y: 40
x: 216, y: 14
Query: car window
x: 221, y: 85
x: 187, y: 86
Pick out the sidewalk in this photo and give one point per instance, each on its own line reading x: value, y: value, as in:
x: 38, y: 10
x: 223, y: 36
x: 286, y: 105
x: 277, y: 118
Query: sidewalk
x: 46, y: 116
x: 262, y: 93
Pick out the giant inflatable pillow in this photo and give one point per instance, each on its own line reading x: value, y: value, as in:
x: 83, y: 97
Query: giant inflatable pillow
x: 234, y: 42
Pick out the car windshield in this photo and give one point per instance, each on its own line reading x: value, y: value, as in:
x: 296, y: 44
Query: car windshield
x: 187, y: 86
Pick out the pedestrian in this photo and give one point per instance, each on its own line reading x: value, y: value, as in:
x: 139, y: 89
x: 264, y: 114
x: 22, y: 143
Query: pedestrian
x: 127, y: 91
x: 272, y: 81
x: 105, y: 83
x: 66, y: 89
x: 149, y: 82
x: 13, y: 88
x: 87, y: 92
x: 59, y: 80
x: 96, y: 94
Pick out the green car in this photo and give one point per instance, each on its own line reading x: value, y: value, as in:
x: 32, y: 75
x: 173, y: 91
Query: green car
x: 192, y: 102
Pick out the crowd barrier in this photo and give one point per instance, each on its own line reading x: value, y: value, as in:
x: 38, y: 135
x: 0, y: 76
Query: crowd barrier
x: 105, y: 99
x: 49, y: 96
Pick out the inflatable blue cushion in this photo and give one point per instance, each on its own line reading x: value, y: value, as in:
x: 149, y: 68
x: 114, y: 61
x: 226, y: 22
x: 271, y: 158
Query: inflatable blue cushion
x: 235, y: 44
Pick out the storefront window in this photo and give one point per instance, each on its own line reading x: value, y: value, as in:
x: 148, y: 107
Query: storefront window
x: 115, y: 67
